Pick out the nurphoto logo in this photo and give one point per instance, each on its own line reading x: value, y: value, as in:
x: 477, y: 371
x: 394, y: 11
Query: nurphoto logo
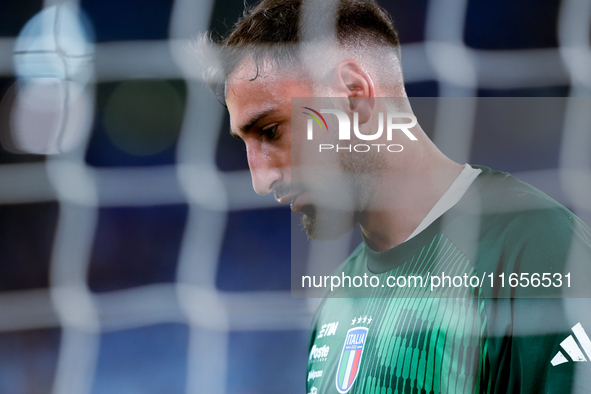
x: 391, y: 119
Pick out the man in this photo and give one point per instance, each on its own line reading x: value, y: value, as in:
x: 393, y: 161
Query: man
x: 421, y: 214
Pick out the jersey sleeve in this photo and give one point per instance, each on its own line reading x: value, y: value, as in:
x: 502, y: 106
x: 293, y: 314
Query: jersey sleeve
x: 538, y: 328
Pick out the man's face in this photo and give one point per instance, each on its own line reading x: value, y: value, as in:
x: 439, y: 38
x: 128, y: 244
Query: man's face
x: 260, y: 115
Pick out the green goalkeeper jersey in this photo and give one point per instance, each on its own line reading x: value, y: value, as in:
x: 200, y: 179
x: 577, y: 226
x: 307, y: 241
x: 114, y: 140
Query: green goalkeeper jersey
x: 444, y: 314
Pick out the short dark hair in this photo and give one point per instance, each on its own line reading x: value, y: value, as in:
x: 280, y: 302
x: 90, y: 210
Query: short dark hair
x: 272, y: 29
x: 278, y: 22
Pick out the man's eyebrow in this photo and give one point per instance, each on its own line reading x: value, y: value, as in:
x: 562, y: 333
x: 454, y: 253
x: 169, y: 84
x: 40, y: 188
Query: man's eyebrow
x: 252, y: 121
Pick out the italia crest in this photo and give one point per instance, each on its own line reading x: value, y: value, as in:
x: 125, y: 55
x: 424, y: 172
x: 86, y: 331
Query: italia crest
x: 350, y: 358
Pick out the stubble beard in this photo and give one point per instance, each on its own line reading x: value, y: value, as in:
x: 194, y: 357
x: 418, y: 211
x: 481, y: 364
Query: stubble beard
x: 330, y: 221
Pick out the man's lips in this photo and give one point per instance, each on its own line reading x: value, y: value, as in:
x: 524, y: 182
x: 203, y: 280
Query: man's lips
x: 292, y: 199
x: 284, y: 199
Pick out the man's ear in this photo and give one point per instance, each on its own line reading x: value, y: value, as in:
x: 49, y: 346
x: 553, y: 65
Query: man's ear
x: 352, y: 81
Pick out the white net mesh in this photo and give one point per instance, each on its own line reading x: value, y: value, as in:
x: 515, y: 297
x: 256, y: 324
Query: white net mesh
x: 194, y: 299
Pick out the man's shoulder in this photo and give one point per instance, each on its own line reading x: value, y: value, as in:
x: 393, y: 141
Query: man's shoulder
x: 521, y: 229
x: 504, y: 201
x: 500, y: 192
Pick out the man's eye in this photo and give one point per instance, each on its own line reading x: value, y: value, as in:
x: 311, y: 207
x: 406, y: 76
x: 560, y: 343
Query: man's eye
x: 270, y: 132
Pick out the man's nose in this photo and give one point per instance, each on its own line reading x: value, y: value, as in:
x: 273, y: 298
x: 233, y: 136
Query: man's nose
x: 265, y: 173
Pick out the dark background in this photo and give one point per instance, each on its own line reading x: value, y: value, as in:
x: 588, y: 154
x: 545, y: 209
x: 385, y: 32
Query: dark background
x: 137, y: 246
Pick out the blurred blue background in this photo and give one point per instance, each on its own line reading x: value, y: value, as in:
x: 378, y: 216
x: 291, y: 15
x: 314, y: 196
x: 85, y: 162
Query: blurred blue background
x: 140, y: 245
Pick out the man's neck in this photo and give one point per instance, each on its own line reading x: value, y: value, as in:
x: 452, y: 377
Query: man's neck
x: 404, y: 198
